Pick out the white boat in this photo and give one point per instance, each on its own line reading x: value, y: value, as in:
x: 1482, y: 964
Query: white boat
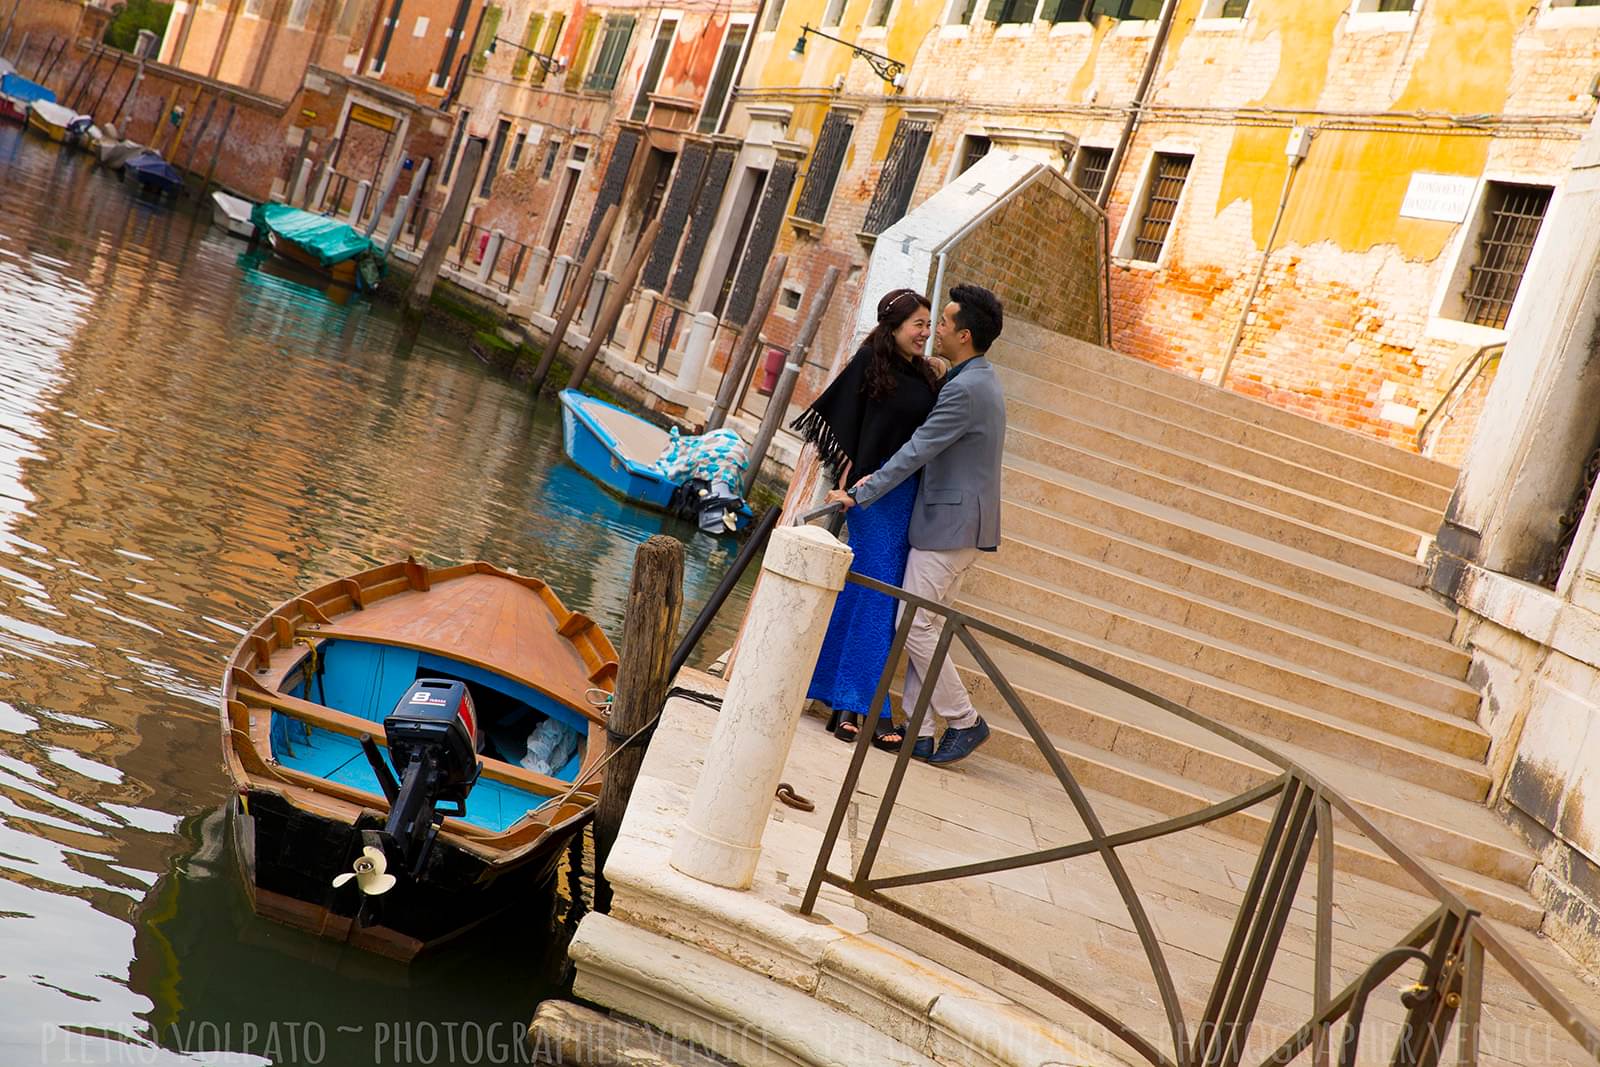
x: 232, y: 214
x: 114, y: 154
x: 58, y: 123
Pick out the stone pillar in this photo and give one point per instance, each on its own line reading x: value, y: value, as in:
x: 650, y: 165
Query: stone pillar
x: 702, y: 332
x: 297, y: 194
x: 598, y: 287
x: 491, y: 252
x: 358, y: 203
x: 802, y: 573
x: 533, y: 275
x: 552, y: 290
x: 639, y: 329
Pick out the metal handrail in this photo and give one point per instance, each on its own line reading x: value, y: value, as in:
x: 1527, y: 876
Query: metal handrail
x: 1449, y: 399
x: 1453, y: 939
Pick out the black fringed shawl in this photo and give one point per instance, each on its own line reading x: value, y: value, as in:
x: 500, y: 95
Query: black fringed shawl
x: 848, y: 427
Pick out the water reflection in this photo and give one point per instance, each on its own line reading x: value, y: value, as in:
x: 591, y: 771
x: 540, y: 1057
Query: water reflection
x: 187, y: 438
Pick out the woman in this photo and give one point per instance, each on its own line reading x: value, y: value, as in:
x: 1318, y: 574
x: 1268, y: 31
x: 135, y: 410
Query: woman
x: 860, y: 421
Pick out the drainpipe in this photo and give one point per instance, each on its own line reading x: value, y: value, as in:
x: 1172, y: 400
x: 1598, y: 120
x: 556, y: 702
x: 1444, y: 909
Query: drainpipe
x: 1169, y: 10
x: 1299, y: 143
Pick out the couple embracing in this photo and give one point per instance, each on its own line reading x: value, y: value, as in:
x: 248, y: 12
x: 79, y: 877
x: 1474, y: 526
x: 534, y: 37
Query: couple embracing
x: 921, y: 455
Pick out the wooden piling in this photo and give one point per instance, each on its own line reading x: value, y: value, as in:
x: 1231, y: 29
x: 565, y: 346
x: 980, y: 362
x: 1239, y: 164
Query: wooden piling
x: 111, y: 76
x: 778, y: 402
x: 216, y: 150
x: 444, y: 234
x: 611, y: 310
x: 649, y: 631
x: 194, y: 146
x: 67, y: 98
x: 746, y: 345
x: 579, y: 291
x: 138, y: 76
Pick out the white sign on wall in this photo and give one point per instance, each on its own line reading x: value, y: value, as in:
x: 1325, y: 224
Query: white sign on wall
x: 1439, y: 197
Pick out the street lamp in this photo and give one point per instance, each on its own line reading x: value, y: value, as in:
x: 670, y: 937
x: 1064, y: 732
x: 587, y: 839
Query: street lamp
x: 890, y: 70
x: 551, y: 64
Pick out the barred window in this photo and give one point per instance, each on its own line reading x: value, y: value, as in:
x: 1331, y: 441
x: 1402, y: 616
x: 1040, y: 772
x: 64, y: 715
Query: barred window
x: 973, y: 148
x: 1512, y: 215
x: 1160, y: 207
x: 826, y: 160
x: 613, y: 50
x: 1092, y: 164
x: 898, y: 179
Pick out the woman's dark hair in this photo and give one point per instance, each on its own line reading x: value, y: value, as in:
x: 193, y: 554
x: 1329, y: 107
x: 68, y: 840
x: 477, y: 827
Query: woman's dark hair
x: 893, y: 310
x: 979, y: 311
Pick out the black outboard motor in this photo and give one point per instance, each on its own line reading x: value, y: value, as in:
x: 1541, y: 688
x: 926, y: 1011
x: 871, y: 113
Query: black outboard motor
x: 433, y: 740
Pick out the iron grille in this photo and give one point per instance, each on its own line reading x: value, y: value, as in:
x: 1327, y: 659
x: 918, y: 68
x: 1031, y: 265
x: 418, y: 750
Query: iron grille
x: 826, y: 159
x: 974, y: 149
x: 1160, y: 206
x: 1511, y: 224
x: 899, y: 177
x: 1092, y: 169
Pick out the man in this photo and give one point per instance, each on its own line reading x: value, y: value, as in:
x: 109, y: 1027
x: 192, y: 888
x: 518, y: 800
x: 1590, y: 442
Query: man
x: 957, y: 513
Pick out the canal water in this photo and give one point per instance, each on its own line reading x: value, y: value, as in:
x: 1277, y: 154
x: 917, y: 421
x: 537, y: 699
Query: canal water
x: 187, y: 437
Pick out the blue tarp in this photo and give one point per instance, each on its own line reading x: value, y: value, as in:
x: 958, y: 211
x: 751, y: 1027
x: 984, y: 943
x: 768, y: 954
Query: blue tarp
x: 21, y: 89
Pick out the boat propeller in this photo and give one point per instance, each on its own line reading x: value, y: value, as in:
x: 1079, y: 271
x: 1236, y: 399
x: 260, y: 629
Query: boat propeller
x: 370, y: 873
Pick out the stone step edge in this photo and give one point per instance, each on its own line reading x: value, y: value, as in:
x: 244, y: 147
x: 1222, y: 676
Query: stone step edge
x: 1461, y: 723
x: 1354, y: 853
x: 1440, y: 474
x: 1323, y: 570
x: 1019, y: 399
x: 1164, y: 589
x: 1252, y: 770
x: 1397, y: 530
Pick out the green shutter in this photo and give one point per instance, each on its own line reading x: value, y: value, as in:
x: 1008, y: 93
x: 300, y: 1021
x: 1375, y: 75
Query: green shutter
x: 1052, y: 10
x: 530, y: 40
x: 486, y: 33
x: 580, y: 57
x: 552, y: 41
x: 619, y: 33
x: 996, y: 11
x: 1109, y: 8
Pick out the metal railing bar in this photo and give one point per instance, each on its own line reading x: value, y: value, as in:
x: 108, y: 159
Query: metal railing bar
x: 1220, y: 810
x: 1420, y: 935
x: 902, y: 760
x: 858, y: 760
x: 1322, y: 978
x: 1551, y: 999
x: 1131, y: 1037
x: 1430, y: 881
x: 1091, y: 822
x: 1249, y: 904
x: 1471, y: 999
x: 1430, y: 1015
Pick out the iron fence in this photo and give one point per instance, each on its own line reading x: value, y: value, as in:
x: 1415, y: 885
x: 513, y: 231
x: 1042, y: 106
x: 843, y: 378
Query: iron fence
x: 1451, y: 944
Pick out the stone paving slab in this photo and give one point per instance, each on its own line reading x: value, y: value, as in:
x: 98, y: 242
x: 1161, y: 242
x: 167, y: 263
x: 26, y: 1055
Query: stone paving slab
x: 1065, y: 919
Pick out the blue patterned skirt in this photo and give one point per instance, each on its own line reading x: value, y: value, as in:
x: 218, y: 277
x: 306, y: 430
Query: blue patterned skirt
x: 862, y: 627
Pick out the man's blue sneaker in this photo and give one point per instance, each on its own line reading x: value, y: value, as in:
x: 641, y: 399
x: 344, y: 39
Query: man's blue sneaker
x: 923, y: 749
x: 959, y: 744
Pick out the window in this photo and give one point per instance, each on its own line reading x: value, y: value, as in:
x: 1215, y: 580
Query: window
x: 1512, y: 215
x: 826, y: 159
x: 973, y: 148
x: 455, y: 147
x: 487, y: 29
x: 878, y: 12
x: 774, y: 13
x: 833, y: 14
x: 613, y: 50
x: 1012, y: 11
x: 297, y: 14
x: 348, y: 12
x: 789, y: 299
x: 516, y: 150
x: 530, y: 40
x: 652, y: 70
x: 722, y: 78
x: 898, y: 179
x: 1068, y: 11
x: 1224, y: 9
x: 552, y: 38
x: 1126, y: 10
x: 960, y: 13
x: 1369, y: 6
x: 1092, y: 164
x: 501, y: 132
x: 1160, y: 207
x: 550, y: 155
x: 580, y: 56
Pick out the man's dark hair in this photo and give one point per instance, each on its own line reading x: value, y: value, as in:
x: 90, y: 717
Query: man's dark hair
x: 978, y: 310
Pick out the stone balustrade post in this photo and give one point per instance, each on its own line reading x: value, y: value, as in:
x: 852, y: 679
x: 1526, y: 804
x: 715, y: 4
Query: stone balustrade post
x: 302, y: 181
x: 697, y: 350
x: 802, y: 572
x: 358, y: 203
x: 639, y: 329
x: 491, y: 253
x: 551, y: 299
x: 598, y: 287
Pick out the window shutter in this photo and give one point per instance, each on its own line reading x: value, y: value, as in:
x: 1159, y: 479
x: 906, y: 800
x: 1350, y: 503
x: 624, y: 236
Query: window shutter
x: 619, y: 32
x: 823, y: 172
x: 552, y: 41
x: 486, y: 33
x: 530, y: 39
x: 996, y: 11
x: 580, y: 57
x: 898, y: 179
x: 1108, y: 8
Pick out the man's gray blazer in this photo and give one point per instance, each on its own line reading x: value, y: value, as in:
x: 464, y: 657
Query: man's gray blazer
x: 958, y: 449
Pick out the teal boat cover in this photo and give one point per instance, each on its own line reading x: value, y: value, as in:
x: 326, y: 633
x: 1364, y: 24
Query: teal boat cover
x: 327, y: 240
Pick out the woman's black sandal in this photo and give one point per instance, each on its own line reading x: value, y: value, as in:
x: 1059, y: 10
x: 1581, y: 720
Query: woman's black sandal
x: 889, y: 738
x: 849, y: 726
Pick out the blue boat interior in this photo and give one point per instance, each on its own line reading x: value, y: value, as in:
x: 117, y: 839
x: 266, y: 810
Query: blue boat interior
x: 366, y: 680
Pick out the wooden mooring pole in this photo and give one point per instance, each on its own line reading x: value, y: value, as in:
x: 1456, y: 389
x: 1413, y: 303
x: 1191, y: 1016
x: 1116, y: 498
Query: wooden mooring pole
x: 611, y: 310
x: 580, y: 292
x: 649, y: 632
x: 447, y: 228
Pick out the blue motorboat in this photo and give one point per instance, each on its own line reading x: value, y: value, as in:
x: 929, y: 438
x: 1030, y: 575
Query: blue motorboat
x: 153, y: 172
x: 634, y: 459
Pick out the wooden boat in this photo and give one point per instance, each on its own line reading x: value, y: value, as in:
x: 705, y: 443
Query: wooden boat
x: 58, y: 123
x: 154, y: 173
x: 618, y: 449
x: 17, y: 92
x: 323, y: 670
x: 232, y: 214
x: 332, y: 248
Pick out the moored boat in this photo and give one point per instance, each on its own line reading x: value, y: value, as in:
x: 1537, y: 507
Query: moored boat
x: 324, y: 244
x: 154, y: 173
x: 630, y: 457
x: 430, y: 735
x: 232, y: 214
x: 60, y: 124
x: 17, y: 92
